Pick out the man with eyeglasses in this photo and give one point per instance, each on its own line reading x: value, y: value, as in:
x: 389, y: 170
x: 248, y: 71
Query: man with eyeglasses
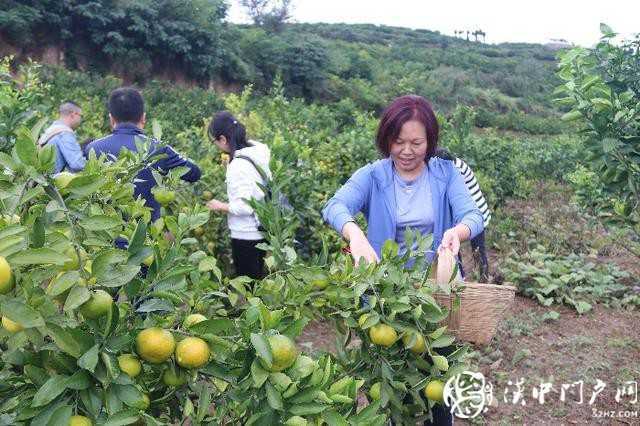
x: 61, y: 134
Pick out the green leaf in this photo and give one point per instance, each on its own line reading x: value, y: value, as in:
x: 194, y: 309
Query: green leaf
x: 130, y: 395
x: 37, y: 375
x: 438, y: 332
x: 26, y: 149
x: 92, y: 401
x: 261, y: 345
x: 21, y: 313
x: 389, y: 249
x: 156, y: 129
x: 79, y: 381
x: 84, y: 186
x: 280, y: 380
x: 609, y: 145
x: 582, y: 307
x: 116, y: 275
x: 74, y: 342
x: 61, y: 284
x: 89, y: 360
x: 38, y: 256
x: 367, y: 414
x: 61, y: 416
x: 571, y: 116
x: 258, y: 374
x: 100, y: 223
x: 307, y: 409
x: 77, y: 296
x: 372, y: 318
x: 38, y: 233
x: 440, y: 362
x: 207, y: 264
x: 606, y: 30
x: 204, y: 401
x: 442, y: 342
x: 49, y: 391
x: 212, y: 326
x: 122, y: 418
x: 273, y: 397
x: 137, y: 241
x: 334, y: 419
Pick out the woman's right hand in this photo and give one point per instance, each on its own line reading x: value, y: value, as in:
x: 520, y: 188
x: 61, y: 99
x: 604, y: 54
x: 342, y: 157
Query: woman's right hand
x: 358, y: 244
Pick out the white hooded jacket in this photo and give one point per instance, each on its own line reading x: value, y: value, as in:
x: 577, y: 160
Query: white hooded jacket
x: 242, y: 183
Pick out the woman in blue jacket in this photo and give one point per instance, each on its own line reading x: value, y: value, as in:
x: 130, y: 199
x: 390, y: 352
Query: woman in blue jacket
x: 409, y: 188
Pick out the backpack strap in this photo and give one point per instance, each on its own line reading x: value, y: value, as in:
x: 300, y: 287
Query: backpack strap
x: 259, y: 169
x: 261, y: 172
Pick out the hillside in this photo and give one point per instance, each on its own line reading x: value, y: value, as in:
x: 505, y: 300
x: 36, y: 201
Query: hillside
x: 362, y: 66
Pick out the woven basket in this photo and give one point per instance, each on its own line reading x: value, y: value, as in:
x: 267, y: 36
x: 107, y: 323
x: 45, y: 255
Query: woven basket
x: 482, y: 306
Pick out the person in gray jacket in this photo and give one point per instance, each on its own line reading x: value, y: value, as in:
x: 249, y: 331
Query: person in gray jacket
x: 61, y: 134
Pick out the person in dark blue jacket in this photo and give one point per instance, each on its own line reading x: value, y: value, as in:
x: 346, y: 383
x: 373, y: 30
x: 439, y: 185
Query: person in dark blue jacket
x: 127, y: 117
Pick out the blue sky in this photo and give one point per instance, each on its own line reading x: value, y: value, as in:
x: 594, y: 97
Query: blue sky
x: 504, y: 21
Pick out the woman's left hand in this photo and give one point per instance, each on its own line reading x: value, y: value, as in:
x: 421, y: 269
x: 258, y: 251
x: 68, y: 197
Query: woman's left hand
x: 218, y: 206
x: 451, y: 240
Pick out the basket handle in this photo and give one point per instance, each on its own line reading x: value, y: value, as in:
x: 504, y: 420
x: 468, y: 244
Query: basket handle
x: 445, y: 266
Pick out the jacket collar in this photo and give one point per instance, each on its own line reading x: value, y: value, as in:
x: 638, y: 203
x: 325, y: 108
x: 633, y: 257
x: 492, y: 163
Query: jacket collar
x: 383, y: 175
x: 383, y: 171
x: 128, y: 129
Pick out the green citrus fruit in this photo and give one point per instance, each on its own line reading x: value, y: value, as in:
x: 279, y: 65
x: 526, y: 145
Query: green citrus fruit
x: 163, y: 196
x: 98, y: 305
x: 374, y: 392
x: 419, y: 346
x: 80, y: 421
x: 434, y: 390
x: 148, y: 260
x: 284, y: 352
x: 146, y: 402
x: 6, y: 277
x: 155, y: 345
x: 207, y: 195
x: 193, y: 319
x: 11, y: 326
x: 63, y: 179
x: 173, y: 378
x: 383, y: 335
x: 320, y: 284
x: 362, y: 319
x: 130, y: 364
x: 192, y: 352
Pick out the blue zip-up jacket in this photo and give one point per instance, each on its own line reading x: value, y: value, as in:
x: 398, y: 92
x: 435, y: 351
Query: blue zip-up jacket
x: 124, y: 137
x: 371, y: 191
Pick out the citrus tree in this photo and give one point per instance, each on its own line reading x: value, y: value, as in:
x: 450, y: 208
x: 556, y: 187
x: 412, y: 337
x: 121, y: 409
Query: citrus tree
x: 107, y: 319
x: 602, y: 89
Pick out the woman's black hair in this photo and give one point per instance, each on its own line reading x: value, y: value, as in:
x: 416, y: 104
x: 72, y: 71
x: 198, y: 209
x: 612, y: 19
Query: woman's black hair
x: 225, y: 124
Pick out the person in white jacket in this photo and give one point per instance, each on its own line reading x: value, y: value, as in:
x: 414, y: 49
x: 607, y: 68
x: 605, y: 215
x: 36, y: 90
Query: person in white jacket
x: 242, y: 181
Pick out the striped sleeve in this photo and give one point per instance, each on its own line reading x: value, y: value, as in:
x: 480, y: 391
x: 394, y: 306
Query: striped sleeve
x: 474, y: 189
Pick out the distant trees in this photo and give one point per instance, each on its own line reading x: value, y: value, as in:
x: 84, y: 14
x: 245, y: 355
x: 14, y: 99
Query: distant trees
x: 477, y: 33
x: 269, y: 14
x: 135, y: 38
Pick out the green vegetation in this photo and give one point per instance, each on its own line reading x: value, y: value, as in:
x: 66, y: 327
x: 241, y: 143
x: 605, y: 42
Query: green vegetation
x: 356, y: 66
x: 86, y: 334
